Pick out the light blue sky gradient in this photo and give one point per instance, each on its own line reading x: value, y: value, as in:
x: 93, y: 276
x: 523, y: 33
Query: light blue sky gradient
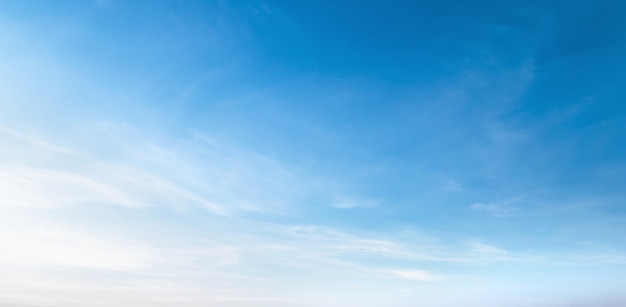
x: 312, y: 153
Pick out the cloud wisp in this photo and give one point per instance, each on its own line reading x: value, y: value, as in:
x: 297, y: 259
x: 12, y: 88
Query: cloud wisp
x: 501, y: 209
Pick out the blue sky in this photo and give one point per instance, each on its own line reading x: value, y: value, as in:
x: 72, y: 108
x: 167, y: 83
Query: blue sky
x: 312, y: 153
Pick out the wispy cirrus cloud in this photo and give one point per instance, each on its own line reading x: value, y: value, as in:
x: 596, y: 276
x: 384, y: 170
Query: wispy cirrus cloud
x: 343, y: 202
x: 140, y: 172
x: 500, y: 209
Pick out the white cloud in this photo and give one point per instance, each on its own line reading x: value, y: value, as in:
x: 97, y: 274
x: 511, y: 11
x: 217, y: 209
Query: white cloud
x: 45, y: 188
x: 139, y: 171
x: 37, y: 243
x: 418, y: 275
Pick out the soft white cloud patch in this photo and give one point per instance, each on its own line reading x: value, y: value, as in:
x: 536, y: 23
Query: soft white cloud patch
x: 28, y: 241
x: 32, y: 187
x: 417, y: 275
x: 38, y: 243
x: 204, y: 268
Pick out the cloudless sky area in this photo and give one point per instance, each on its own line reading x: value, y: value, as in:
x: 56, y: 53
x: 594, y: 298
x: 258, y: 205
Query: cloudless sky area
x: 312, y: 153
